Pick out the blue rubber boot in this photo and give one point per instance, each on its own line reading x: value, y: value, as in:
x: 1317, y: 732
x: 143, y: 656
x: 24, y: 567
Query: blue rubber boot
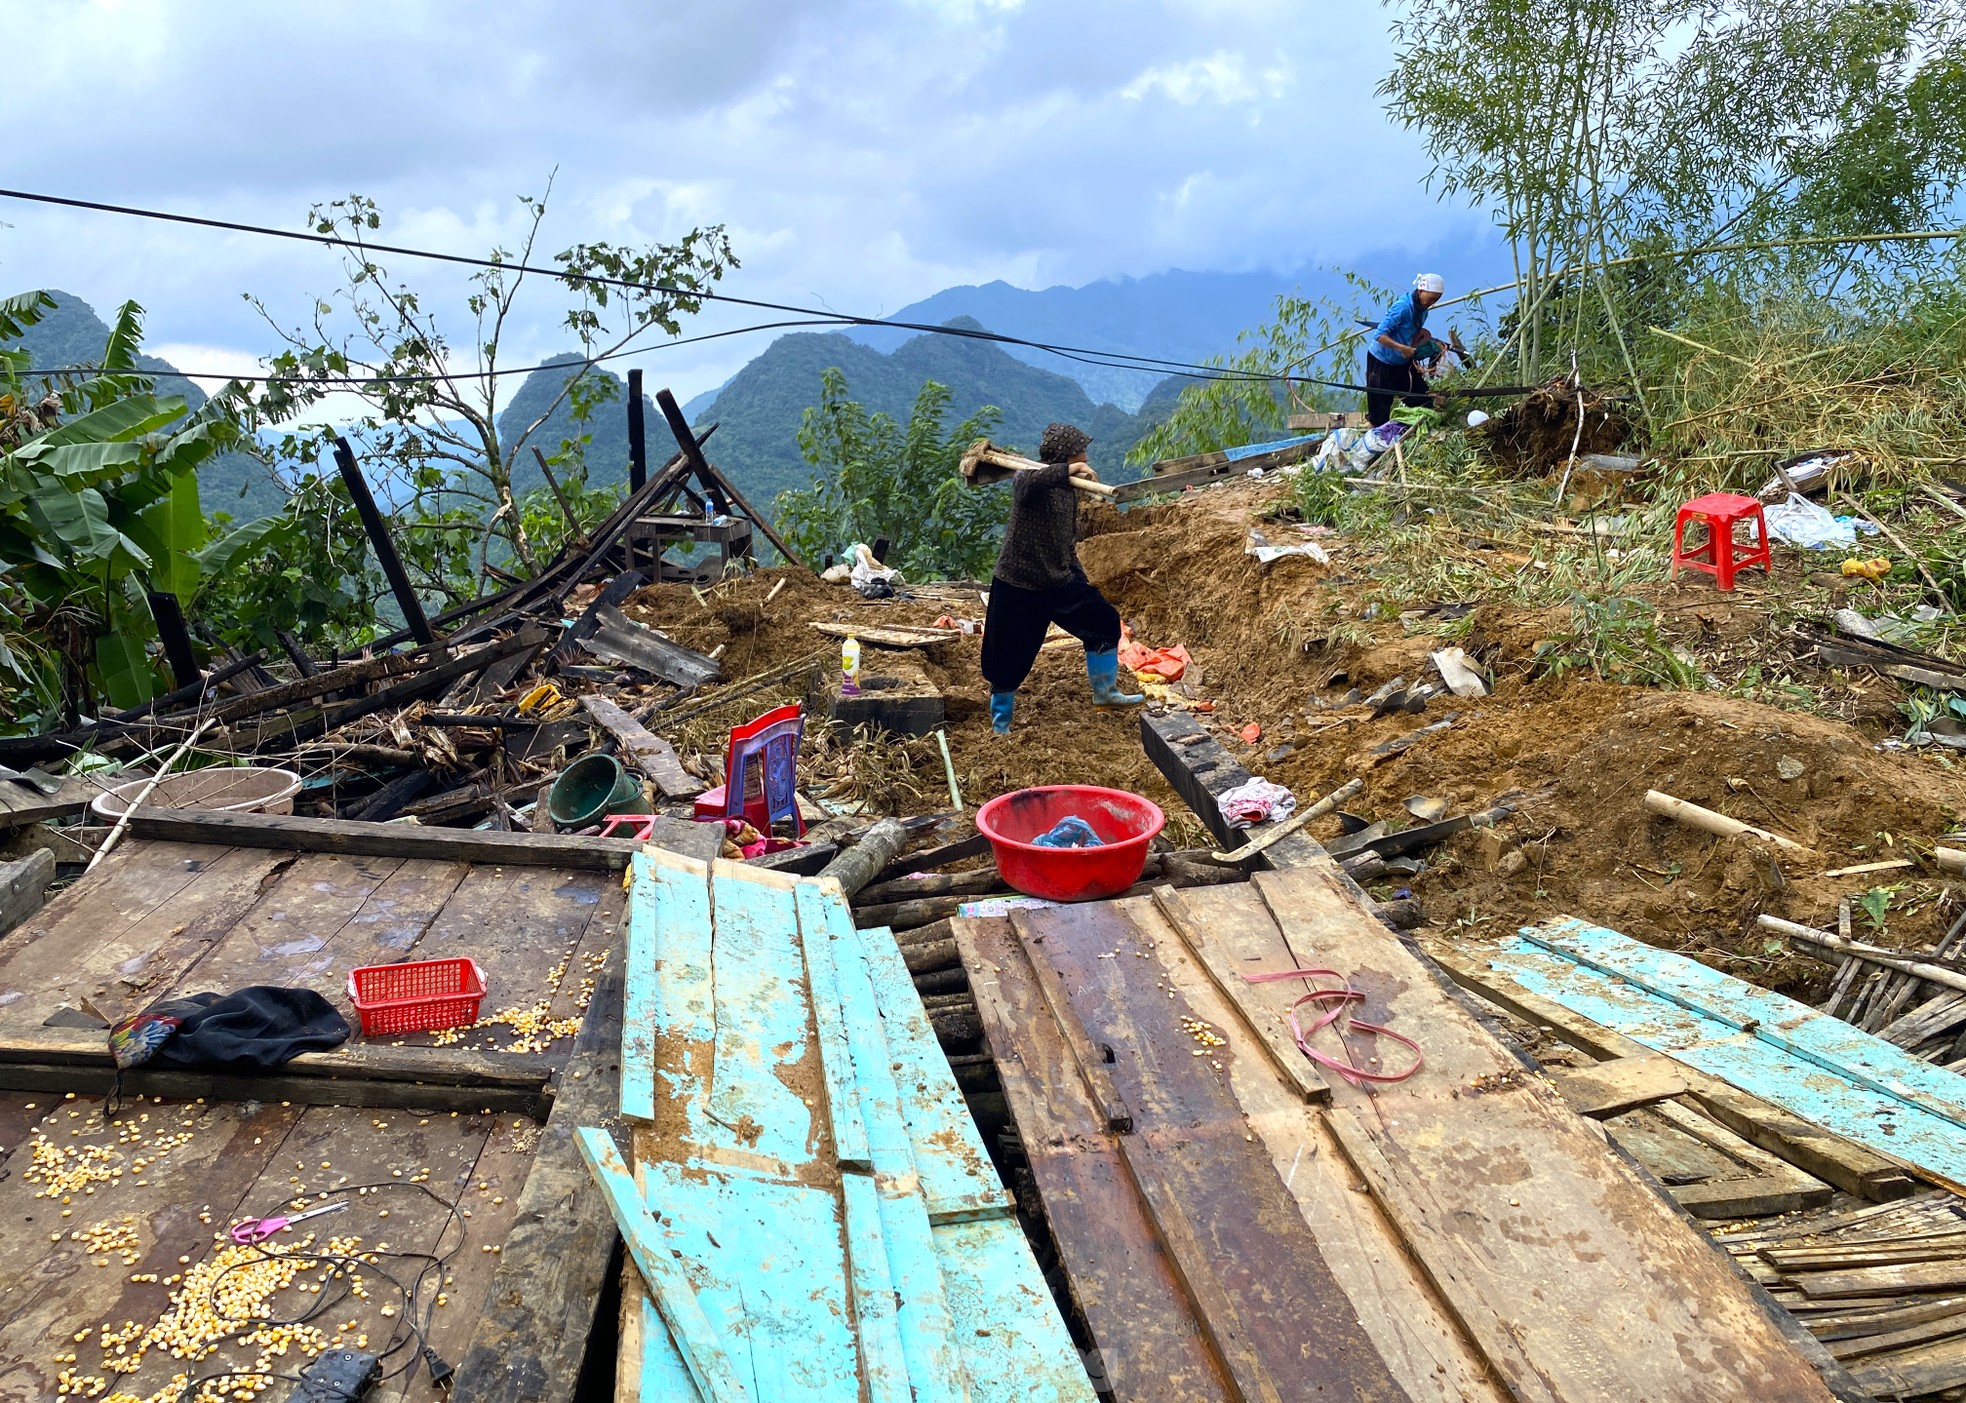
x: 1001, y: 705
x: 1103, y: 669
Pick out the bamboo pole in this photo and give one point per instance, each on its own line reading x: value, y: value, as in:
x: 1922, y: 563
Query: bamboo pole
x: 1870, y: 954
x: 1707, y: 821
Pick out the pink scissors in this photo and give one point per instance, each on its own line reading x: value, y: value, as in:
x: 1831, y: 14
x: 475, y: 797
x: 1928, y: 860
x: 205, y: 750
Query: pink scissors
x: 259, y: 1229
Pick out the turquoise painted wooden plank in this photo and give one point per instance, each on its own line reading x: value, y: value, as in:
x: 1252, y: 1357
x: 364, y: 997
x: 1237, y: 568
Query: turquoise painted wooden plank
x: 1900, y: 1130
x: 675, y: 1298
x: 1773, y: 1018
x: 883, y: 1362
x: 664, y: 1378
x: 935, y: 1367
x: 763, y: 1019
x: 668, y: 1012
x: 765, y: 1261
x: 821, y: 909
x: 1014, y: 1343
x: 958, y: 1179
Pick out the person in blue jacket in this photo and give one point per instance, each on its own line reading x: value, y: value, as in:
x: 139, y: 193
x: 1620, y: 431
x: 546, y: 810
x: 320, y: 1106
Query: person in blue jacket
x: 1397, y: 346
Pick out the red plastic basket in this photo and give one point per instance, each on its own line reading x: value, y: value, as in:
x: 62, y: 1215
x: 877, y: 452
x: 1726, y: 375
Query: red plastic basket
x: 419, y: 997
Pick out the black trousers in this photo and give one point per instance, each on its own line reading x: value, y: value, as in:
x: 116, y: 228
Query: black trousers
x: 1385, y: 383
x: 1014, y: 627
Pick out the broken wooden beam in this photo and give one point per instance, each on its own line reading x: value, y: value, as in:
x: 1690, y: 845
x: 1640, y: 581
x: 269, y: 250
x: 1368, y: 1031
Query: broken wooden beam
x: 24, y: 886
x: 616, y: 591
x: 384, y: 548
x: 653, y: 756
x: 854, y: 868
x: 327, y: 835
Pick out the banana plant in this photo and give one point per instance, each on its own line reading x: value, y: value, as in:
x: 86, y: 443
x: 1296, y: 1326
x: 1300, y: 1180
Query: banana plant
x: 99, y: 505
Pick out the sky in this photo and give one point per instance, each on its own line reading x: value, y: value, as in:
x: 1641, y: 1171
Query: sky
x: 860, y: 153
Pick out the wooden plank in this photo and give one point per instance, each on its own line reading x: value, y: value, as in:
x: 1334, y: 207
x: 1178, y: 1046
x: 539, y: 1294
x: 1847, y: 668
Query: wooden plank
x: 669, y: 1016
x: 1264, y: 1008
x: 888, y: 635
x: 1152, y: 1347
x: 1174, y: 481
x: 1611, y: 1088
x: 89, y: 953
x: 1424, y: 1347
x: 24, y: 886
x: 1094, y: 1062
x: 21, y: 805
x: 647, y: 752
x: 674, y: 1295
x: 1849, y: 1166
x: 1926, y: 1371
x: 820, y: 920
x: 50, y: 1290
x: 1709, y: 1171
x: 1195, y: 763
x: 81, y: 1052
x: 876, y: 1303
x: 525, y: 927
x: 1277, y: 1315
x: 958, y: 1179
x: 754, y: 958
x: 1846, y: 1081
x: 531, y: 1333
x: 1895, y: 1279
x: 1480, y: 1160
x: 927, y: 1334
x: 405, y: 841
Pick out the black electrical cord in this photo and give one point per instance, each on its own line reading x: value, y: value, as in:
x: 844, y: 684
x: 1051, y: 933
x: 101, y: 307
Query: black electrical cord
x: 1113, y: 360
x: 344, y: 1265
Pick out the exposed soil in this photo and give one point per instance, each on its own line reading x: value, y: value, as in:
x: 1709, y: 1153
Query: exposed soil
x: 1574, y: 754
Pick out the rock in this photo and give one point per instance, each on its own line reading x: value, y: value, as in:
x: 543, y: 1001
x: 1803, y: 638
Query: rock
x: 1511, y: 863
x: 1788, y: 767
x: 1492, y: 847
x: 1280, y: 753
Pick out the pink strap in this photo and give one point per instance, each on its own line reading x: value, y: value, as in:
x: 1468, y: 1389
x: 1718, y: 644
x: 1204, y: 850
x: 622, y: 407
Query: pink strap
x: 1334, y: 1014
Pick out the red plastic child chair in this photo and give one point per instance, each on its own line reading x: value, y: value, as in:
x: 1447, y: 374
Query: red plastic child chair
x: 760, y: 773
x: 1720, y: 555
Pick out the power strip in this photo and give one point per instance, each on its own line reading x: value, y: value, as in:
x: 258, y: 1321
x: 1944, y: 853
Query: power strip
x: 344, y: 1376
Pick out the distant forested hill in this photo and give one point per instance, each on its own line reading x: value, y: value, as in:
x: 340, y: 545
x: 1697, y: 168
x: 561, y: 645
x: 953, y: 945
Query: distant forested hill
x: 72, y: 334
x: 760, y: 409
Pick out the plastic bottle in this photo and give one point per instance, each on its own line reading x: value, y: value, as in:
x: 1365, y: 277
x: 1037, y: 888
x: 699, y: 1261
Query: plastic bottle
x: 850, y: 668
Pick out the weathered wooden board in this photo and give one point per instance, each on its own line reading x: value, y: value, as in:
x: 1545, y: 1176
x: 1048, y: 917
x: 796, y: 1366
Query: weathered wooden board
x: 21, y: 805
x: 1427, y: 1350
x: 1248, y: 1252
x: 1848, y: 1081
x: 1844, y: 1163
x: 406, y: 841
x: 645, y: 750
x: 1611, y: 1088
x: 1572, y: 1277
x: 527, y: 1342
x: 94, y: 940
x: 1710, y: 1171
x: 1151, y: 1346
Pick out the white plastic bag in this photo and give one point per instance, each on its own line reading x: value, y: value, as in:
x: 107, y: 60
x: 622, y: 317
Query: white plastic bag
x: 1801, y: 522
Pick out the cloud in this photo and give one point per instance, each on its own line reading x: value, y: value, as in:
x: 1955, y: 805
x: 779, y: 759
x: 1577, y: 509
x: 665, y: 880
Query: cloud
x: 862, y: 153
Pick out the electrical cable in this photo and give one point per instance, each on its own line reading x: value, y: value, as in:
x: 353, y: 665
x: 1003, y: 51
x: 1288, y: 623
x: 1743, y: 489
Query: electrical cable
x: 410, y: 1331
x: 1113, y: 360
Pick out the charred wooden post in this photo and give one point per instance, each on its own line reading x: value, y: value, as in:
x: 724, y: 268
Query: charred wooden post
x: 175, y: 637
x: 638, y: 450
x: 385, y: 549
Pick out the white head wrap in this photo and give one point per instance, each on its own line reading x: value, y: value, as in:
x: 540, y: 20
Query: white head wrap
x: 1430, y: 282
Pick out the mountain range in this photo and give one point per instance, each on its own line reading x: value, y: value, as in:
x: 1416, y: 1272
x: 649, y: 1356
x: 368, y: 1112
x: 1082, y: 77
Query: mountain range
x: 71, y: 334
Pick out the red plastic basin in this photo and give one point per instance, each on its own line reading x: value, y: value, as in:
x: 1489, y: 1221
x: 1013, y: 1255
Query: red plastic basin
x: 1125, y: 823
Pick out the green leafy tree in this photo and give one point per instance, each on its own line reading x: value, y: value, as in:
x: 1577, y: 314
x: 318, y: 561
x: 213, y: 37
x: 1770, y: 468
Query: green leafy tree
x: 876, y: 478
x: 429, y: 433
x: 1311, y: 340
x: 98, y: 507
x: 1598, y: 130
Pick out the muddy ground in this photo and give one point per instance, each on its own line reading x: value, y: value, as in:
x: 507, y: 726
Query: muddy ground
x: 1573, y: 754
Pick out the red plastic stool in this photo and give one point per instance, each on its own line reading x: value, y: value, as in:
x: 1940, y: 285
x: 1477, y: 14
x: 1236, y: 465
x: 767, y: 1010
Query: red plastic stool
x: 1718, y: 556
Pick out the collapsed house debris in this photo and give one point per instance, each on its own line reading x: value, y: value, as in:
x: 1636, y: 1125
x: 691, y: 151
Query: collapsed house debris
x: 779, y: 1086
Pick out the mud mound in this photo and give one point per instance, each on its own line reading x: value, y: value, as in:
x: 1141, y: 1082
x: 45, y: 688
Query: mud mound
x: 1579, y: 757
x: 1534, y: 437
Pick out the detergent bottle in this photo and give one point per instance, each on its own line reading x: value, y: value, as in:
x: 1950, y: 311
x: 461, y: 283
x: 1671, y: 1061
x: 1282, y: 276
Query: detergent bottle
x: 850, y: 668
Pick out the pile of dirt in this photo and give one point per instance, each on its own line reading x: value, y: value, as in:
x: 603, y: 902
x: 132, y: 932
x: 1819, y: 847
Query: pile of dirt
x: 1534, y: 437
x: 1574, y: 755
